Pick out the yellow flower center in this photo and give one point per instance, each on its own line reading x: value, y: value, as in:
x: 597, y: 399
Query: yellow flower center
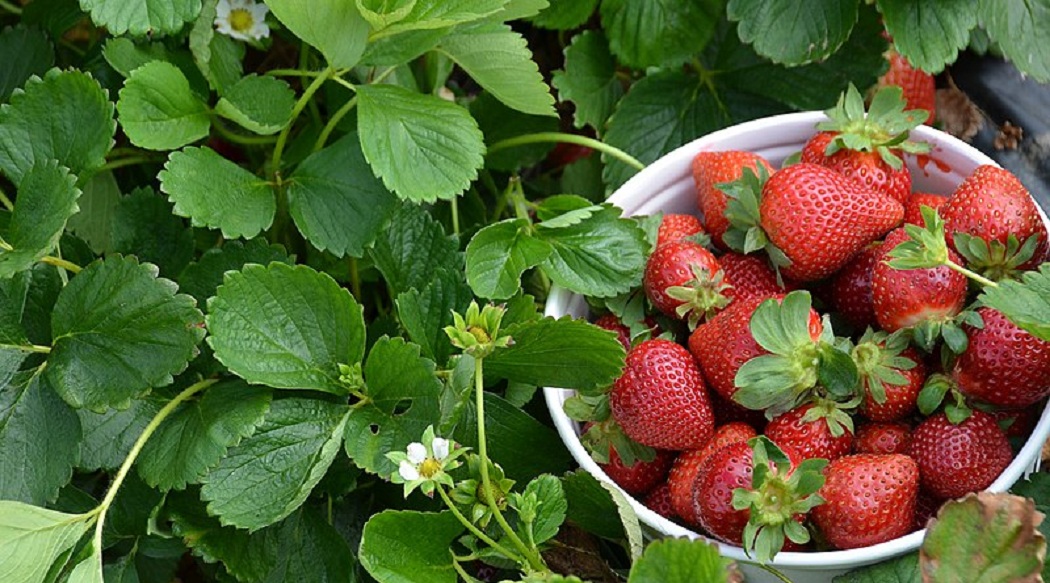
x: 429, y: 468
x: 241, y: 20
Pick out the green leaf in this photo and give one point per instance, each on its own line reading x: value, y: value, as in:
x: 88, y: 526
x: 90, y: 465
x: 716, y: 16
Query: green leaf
x: 910, y: 24
x: 198, y: 433
x: 144, y: 226
x: 32, y: 539
x: 109, y: 436
x: 286, y: 327
x: 47, y: 197
x: 27, y: 52
x: 499, y: 254
x: 424, y: 313
x: 336, y: 201
x: 125, y: 55
x: 159, y: 111
x: 551, y: 509
x: 658, y: 33
x: 217, y: 193
x: 39, y: 440
x: 268, y: 475
x: 423, y: 147
x: 904, y: 569
x: 518, y: 9
x: 591, y: 506
x: 66, y: 116
x: 218, y: 56
x: 259, y: 104
x: 402, y: 48
x: 436, y: 14
x: 413, y: 248
x: 202, y: 278
x: 1019, y: 28
x: 603, y: 255
x: 54, y: 16
x: 812, y: 35
x: 991, y: 534
x: 1025, y: 303
x: 383, y: 13
x: 334, y: 27
x: 589, y: 80
x: 119, y: 330
x: 499, y: 60
x: 399, y: 546
x: 559, y: 353
x: 403, y: 399
x: 142, y: 17
x: 98, y: 206
x: 1037, y: 487
x: 499, y: 122
x: 680, y: 560
x: 128, y: 518
x: 565, y: 14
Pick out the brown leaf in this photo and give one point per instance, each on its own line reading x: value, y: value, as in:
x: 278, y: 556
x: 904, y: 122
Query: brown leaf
x: 1008, y: 137
x: 958, y: 114
x: 576, y: 552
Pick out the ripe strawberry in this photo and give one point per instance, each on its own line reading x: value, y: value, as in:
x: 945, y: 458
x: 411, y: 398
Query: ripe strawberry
x: 660, y: 400
x: 882, y: 438
x: 813, y: 430
x: 612, y: 323
x: 674, y: 227
x: 918, y: 87
x: 711, y: 169
x: 957, y: 459
x: 685, y: 281
x: 659, y: 501
x: 1003, y: 365
x: 687, y: 464
x: 913, y: 206
x: 905, y: 298
x: 850, y: 288
x: 926, y: 507
x: 640, y: 478
x: 868, y: 499
x: 991, y: 204
x: 867, y: 168
x: 750, y: 275
x: 891, y: 373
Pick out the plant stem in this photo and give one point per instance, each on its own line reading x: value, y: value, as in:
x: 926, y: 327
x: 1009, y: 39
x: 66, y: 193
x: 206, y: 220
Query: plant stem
x: 773, y: 571
x: 592, y: 143
x: 129, y: 161
x: 59, y: 262
x: 241, y: 139
x: 304, y: 99
x: 971, y: 274
x: 293, y: 73
x: 455, y: 214
x: 475, y: 530
x: 27, y: 348
x: 355, y: 278
x: 462, y: 572
x: 479, y: 396
x: 9, y: 7
x: 333, y: 122
x: 10, y: 206
x: 136, y: 449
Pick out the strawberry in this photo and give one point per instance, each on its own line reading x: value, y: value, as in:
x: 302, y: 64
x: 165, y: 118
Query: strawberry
x: 882, y: 438
x: 659, y: 501
x: 612, y: 323
x: 683, y: 472
x: 1003, y: 365
x: 750, y: 275
x: 711, y: 169
x: 913, y: 206
x: 868, y: 499
x: 891, y: 373
x: 674, y: 227
x: 814, y: 430
x: 850, y: 288
x: 641, y: 477
x: 867, y: 147
x: 917, y: 86
x: 660, y: 400
x: 957, y: 459
x: 685, y: 281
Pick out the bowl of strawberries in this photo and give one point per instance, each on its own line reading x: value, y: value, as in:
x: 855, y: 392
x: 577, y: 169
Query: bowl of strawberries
x: 810, y: 372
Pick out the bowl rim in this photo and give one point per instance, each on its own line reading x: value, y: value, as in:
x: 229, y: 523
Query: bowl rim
x: 653, y: 179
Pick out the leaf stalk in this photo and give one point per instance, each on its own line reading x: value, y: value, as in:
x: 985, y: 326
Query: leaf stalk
x: 541, y: 137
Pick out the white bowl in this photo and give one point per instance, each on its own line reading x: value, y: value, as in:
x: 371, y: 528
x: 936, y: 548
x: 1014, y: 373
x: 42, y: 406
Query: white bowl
x: 667, y: 185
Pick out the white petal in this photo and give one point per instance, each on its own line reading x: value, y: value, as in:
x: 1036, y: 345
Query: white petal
x: 416, y: 453
x: 222, y: 9
x: 440, y: 447
x: 408, y: 471
x: 258, y: 11
x: 223, y: 26
x: 259, y: 30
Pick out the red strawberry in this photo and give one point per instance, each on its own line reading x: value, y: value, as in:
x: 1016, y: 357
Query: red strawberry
x: 918, y: 87
x: 913, y: 206
x: 683, y: 472
x: 957, y: 459
x: 850, y: 288
x: 819, y: 220
x: 1003, y: 365
x: 660, y: 400
x: 750, y: 275
x: 659, y: 501
x: 891, y: 373
x: 1017, y: 422
x: 991, y: 204
x: 905, y: 298
x: 611, y: 322
x: 641, y: 477
x: 727, y: 411
x: 867, y: 168
x: 674, y: 227
x: 711, y: 169
x: 926, y: 507
x: 882, y: 438
x: 685, y: 281
x: 868, y: 499
x: 814, y: 431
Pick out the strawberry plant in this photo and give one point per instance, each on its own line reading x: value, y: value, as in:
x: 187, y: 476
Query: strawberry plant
x: 272, y: 277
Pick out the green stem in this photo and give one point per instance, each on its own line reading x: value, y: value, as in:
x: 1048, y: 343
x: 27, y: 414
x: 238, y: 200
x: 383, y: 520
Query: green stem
x: 9, y: 7
x: 971, y: 274
x: 773, y: 571
x: 475, y: 530
x: 455, y: 214
x: 333, y: 122
x: 479, y: 396
x: 304, y: 99
x: 293, y: 73
x: 10, y: 206
x: 592, y: 143
x: 241, y: 139
x: 129, y: 161
x: 462, y: 572
x: 136, y: 449
x: 355, y: 278
x: 516, y: 195
x: 59, y: 262
x: 27, y: 348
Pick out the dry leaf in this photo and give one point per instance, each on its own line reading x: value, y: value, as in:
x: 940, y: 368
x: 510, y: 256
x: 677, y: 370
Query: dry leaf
x: 958, y: 114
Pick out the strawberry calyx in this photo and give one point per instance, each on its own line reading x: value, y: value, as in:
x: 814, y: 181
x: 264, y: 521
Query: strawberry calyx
x: 935, y: 393
x: 993, y: 259
x: 882, y: 129
x: 833, y: 413
x: 879, y: 361
x: 600, y: 437
x: 779, y: 495
x: 745, y: 233
x: 702, y: 297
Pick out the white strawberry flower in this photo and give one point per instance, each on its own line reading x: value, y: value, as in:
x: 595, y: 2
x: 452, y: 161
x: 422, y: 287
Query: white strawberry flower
x: 242, y: 19
x: 424, y: 464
